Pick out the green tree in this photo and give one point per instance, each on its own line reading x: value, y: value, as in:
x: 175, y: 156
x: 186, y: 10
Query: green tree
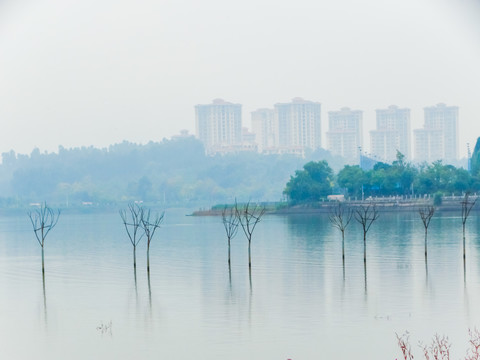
x: 404, y: 174
x: 310, y: 184
x: 352, y: 178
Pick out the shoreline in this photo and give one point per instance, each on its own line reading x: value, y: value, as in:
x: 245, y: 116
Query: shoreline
x: 390, y: 205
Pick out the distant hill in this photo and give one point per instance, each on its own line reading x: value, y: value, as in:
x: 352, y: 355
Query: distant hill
x: 171, y: 172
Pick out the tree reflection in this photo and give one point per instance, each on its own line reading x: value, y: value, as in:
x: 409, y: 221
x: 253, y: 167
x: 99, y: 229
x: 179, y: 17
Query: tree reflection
x: 365, y: 275
x: 44, y: 300
x: 149, y: 292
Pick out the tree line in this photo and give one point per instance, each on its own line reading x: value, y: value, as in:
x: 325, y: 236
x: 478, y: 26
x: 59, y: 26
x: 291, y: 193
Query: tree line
x: 317, y: 180
x: 170, y: 172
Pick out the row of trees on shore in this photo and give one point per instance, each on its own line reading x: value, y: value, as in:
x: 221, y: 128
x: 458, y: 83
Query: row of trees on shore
x: 178, y: 172
x: 317, y: 180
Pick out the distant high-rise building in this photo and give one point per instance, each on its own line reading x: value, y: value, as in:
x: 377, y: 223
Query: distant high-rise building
x: 429, y: 145
x: 219, y: 125
x: 392, y: 133
x: 344, y: 136
x: 263, y: 126
x: 438, y: 140
x: 298, y: 124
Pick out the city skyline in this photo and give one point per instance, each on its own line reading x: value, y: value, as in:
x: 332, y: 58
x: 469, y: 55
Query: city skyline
x: 89, y: 73
x: 278, y: 130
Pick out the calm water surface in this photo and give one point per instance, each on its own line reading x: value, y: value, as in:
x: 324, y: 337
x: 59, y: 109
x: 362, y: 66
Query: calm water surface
x: 299, y: 303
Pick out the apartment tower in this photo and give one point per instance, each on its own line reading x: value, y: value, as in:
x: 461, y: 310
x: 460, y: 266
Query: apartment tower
x: 298, y: 125
x: 438, y: 140
x: 392, y: 134
x: 219, y: 125
x: 344, y: 136
x: 263, y: 126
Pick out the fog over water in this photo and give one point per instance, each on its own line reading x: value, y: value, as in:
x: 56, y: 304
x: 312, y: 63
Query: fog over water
x: 77, y: 73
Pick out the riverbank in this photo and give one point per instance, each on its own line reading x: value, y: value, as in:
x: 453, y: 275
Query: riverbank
x: 384, y: 204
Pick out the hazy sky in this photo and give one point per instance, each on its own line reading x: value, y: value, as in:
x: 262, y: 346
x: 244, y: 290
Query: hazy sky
x: 84, y: 72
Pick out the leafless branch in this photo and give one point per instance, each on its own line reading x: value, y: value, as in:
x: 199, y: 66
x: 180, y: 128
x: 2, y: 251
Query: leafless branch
x: 366, y: 215
x: 150, y: 224
x: 230, y: 222
x: 340, y: 216
x: 426, y: 214
x: 134, y: 216
x: 43, y: 220
x: 249, y: 216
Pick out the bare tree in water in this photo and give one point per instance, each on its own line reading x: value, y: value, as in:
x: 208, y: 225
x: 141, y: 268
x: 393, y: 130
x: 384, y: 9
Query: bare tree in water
x: 150, y: 224
x: 467, y: 206
x: 366, y: 215
x: 132, y: 222
x: 426, y: 214
x: 43, y: 220
x: 340, y: 217
x: 230, y: 222
x: 249, y: 216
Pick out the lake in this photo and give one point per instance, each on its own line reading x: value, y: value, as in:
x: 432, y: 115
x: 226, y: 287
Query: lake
x: 299, y: 302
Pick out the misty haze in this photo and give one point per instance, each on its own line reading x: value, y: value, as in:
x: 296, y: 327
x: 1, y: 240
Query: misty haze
x: 239, y: 180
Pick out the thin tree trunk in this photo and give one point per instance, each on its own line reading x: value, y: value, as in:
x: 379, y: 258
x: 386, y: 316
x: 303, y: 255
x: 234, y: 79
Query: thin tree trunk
x: 149, y: 291
x: 364, y: 247
x: 43, y: 262
x: 426, y: 232
x: 148, y: 260
x: 365, y: 274
x: 250, y: 279
x: 134, y: 257
x: 463, y: 242
x: 426, y: 270
x: 135, y: 278
x: 464, y: 262
x: 343, y: 254
x: 230, y: 275
x: 228, y: 251
x: 249, y: 256
x: 44, y: 298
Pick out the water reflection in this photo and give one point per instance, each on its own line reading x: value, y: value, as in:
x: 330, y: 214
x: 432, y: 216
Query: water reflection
x: 306, y: 296
x: 44, y: 299
x: 230, y: 275
x: 426, y: 271
x: 365, y: 275
x: 135, y: 280
x: 149, y: 292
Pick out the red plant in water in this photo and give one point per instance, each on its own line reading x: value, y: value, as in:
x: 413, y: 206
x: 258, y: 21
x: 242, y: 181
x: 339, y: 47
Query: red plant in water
x: 473, y: 353
x: 439, y: 349
x: 404, y: 344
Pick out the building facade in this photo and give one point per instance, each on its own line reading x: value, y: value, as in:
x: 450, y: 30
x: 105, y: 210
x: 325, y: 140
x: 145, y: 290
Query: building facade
x: 263, y: 126
x: 392, y: 134
x: 298, y: 125
x: 344, y: 136
x: 219, y: 125
x: 438, y: 140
